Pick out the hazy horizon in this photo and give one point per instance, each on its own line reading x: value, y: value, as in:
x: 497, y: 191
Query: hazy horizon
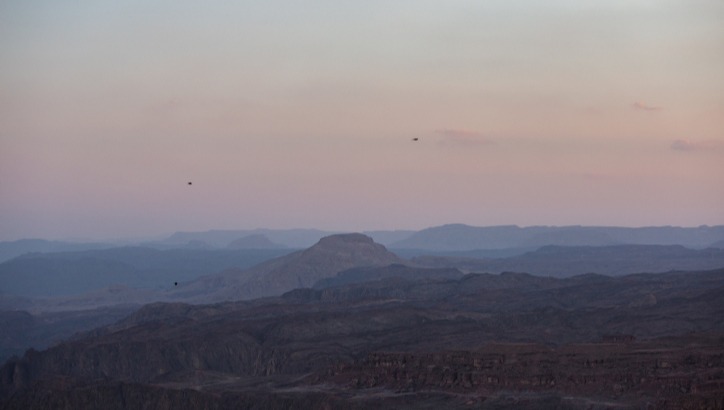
x: 284, y: 115
x: 166, y: 235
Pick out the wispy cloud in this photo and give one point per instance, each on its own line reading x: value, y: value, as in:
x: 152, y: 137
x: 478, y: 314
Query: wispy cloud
x: 689, y: 145
x: 645, y: 107
x: 463, y: 136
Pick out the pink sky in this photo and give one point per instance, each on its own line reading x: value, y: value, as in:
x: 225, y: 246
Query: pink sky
x: 283, y: 116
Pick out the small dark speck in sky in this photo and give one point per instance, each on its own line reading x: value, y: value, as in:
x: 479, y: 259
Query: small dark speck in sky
x: 415, y: 139
x: 189, y: 183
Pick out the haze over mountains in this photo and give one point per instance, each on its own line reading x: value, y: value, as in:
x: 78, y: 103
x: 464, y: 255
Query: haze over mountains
x: 445, y: 238
x: 460, y: 237
x: 335, y: 308
x: 564, y: 251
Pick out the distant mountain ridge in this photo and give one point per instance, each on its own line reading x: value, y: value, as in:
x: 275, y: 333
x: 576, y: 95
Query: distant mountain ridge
x: 451, y: 237
x: 256, y: 241
x: 565, y: 261
x: 292, y: 238
x: 460, y: 237
x: 9, y: 250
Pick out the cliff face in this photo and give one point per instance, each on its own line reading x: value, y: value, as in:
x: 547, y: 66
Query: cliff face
x: 651, y: 370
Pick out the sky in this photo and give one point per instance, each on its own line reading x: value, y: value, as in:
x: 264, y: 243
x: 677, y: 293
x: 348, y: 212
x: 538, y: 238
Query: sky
x: 287, y: 114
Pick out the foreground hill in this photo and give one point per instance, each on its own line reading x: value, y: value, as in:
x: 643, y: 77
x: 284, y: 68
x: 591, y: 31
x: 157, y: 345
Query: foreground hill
x: 481, y: 341
x: 326, y: 258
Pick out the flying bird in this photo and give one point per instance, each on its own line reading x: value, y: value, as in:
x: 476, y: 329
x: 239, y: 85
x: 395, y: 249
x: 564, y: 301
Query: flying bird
x: 189, y: 183
x: 415, y: 139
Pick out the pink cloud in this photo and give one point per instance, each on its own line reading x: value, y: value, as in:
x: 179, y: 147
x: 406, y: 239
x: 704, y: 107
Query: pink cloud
x: 463, y: 136
x: 688, y: 145
x: 645, y: 107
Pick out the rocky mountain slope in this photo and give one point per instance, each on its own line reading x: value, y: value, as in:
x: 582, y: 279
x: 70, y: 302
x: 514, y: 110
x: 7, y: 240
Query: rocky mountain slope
x: 329, y: 256
x: 479, y: 341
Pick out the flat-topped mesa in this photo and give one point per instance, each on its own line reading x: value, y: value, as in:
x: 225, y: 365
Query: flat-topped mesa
x: 332, y: 254
x: 336, y: 253
x: 354, y: 245
x: 332, y: 240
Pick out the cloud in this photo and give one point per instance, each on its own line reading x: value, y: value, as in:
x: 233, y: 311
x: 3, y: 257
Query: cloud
x: 645, y: 107
x: 683, y: 145
x: 688, y: 145
x: 463, y: 137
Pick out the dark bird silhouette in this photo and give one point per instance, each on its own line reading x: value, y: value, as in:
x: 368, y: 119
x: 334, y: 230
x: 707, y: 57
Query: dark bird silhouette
x: 415, y: 139
x: 189, y: 183
x: 175, y: 283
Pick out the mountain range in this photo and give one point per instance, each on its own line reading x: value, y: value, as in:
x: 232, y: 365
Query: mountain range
x: 346, y: 323
x: 480, y: 340
x: 563, y: 261
x: 500, y: 240
x: 459, y: 237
